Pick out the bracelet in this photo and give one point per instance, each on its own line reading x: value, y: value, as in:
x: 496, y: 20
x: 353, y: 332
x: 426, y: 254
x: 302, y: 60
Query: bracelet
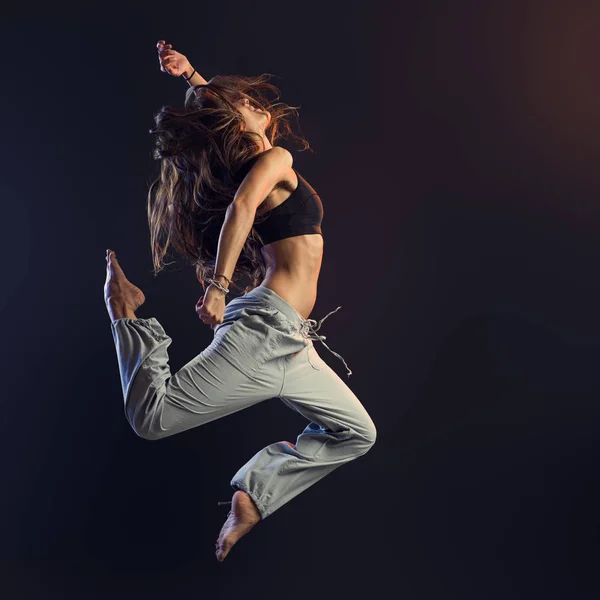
x: 225, y: 277
x: 218, y: 285
x: 188, y: 78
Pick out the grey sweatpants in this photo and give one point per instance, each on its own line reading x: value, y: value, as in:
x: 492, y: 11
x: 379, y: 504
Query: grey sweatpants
x: 263, y: 349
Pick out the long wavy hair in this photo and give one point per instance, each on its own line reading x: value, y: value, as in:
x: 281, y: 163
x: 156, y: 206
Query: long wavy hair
x: 205, y: 152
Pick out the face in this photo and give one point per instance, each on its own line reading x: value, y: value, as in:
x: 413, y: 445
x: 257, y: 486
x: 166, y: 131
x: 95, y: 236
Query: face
x: 256, y: 119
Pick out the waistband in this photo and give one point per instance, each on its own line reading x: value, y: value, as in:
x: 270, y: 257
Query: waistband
x: 276, y: 301
x: 307, y: 327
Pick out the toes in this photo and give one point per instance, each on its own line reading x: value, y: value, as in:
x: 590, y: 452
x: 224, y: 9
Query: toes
x: 220, y: 552
x: 114, y: 263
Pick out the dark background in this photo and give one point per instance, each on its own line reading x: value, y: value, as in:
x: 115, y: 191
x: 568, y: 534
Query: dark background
x: 456, y: 149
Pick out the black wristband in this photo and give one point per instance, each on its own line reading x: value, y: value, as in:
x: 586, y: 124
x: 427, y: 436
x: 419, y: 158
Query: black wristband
x: 188, y: 78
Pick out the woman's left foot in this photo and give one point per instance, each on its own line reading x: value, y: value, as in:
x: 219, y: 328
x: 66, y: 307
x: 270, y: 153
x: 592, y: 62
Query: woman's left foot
x: 242, y: 517
x: 122, y: 298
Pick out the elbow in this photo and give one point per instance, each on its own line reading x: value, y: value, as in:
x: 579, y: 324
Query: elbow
x: 241, y: 208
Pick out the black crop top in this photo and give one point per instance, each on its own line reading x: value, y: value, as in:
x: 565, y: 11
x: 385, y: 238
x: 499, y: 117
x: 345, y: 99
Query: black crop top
x: 300, y: 214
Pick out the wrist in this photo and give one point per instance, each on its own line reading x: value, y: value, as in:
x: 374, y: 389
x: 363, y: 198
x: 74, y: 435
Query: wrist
x: 187, y: 73
x: 224, y: 289
x: 222, y: 279
x: 219, y: 291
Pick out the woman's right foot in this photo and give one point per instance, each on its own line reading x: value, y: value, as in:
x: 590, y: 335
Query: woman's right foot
x: 242, y: 517
x: 121, y: 297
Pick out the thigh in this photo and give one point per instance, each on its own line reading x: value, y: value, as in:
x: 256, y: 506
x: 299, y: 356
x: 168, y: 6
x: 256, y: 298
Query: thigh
x: 217, y: 383
x: 317, y: 392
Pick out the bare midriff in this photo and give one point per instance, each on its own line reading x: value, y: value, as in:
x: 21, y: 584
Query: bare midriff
x: 293, y: 266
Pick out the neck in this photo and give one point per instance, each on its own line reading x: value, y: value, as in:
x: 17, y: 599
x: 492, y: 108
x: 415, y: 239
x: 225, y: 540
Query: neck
x: 266, y: 145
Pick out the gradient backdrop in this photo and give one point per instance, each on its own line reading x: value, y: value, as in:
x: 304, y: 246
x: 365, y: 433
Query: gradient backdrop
x: 456, y: 149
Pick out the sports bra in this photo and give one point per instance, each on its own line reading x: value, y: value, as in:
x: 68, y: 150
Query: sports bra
x: 300, y: 214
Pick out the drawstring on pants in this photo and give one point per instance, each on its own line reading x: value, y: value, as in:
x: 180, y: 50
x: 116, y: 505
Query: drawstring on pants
x: 309, y: 329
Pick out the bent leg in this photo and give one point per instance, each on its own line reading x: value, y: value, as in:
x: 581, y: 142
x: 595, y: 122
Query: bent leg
x: 339, y: 431
x: 158, y: 403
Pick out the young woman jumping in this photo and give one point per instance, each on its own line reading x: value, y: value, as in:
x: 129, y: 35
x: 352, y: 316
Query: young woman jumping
x: 229, y: 200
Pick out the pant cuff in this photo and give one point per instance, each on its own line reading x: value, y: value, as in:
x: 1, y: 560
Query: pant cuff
x: 259, y: 505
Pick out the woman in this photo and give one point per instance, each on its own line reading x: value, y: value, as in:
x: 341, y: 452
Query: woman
x: 231, y: 202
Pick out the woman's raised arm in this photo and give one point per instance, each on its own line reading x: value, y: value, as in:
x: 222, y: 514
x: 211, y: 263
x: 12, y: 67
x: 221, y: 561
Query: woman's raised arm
x: 176, y: 64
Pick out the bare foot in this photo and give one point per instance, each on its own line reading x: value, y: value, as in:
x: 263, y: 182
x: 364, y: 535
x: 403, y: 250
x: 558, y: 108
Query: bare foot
x: 122, y: 298
x: 242, y: 517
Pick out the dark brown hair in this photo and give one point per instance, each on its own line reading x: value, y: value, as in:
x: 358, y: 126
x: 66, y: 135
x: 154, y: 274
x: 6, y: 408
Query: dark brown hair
x: 204, y: 154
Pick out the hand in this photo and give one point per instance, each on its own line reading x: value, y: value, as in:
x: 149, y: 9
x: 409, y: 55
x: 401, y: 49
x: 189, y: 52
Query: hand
x: 172, y: 62
x: 211, y: 306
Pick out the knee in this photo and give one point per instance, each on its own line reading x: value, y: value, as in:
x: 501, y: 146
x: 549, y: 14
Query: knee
x: 367, y: 436
x: 147, y: 434
x: 148, y: 429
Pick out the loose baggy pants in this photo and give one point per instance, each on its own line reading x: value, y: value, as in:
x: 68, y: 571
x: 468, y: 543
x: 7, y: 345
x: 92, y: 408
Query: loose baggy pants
x: 263, y: 349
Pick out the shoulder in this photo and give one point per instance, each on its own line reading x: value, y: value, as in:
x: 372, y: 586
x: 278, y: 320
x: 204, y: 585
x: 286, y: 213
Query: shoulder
x: 283, y: 153
x: 279, y: 156
x: 267, y: 172
x: 272, y: 167
x: 274, y: 161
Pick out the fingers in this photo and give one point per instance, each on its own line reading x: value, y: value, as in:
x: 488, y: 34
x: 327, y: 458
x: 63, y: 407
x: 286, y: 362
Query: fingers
x: 208, y: 318
x: 164, y: 51
x: 168, y: 60
x: 211, y: 314
x: 213, y: 322
x: 167, y: 57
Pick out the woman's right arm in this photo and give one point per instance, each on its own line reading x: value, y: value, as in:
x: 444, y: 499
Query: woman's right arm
x: 176, y: 64
x: 197, y: 79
